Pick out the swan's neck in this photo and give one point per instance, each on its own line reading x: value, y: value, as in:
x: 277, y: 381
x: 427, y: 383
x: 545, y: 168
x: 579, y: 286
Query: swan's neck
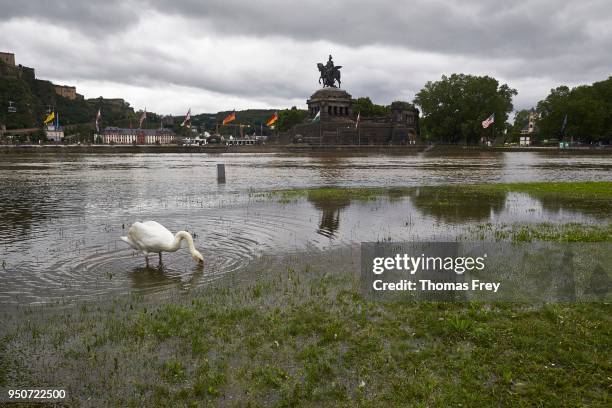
x: 183, y: 235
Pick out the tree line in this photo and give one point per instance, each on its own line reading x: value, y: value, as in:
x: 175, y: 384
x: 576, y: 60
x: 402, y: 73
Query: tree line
x: 588, y: 109
x: 454, y: 107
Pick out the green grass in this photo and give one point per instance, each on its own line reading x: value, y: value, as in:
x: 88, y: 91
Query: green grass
x: 331, y: 194
x: 587, y: 193
x: 571, y: 232
x: 303, y: 335
x: 583, y: 190
x: 296, y: 331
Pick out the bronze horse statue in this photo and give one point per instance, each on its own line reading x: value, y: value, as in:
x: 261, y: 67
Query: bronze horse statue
x: 329, y: 78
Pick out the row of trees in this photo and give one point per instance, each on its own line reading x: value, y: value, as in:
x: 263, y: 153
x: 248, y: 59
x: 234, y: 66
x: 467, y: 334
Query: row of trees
x: 454, y: 107
x: 588, y: 109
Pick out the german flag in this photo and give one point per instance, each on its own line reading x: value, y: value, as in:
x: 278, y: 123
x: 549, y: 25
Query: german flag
x: 49, y: 118
x: 229, y: 118
x: 272, y: 119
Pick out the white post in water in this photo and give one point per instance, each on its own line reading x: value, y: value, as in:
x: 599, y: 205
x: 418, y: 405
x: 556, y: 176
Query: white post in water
x: 221, y: 172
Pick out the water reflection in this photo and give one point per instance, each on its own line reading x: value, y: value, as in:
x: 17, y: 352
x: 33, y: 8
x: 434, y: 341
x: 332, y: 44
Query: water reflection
x: 330, y: 168
x: 556, y: 205
x: 456, y: 206
x: 330, y: 213
x: 61, y: 215
x: 22, y: 205
x: 143, y: 279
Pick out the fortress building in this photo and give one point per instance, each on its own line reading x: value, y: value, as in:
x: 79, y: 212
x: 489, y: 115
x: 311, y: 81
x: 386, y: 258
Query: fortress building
x: 8, y: 68
x: 67, y: 92
x: 8, y: 58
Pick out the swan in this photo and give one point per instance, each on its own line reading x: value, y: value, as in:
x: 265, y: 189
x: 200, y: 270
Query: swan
x: 151, y: 237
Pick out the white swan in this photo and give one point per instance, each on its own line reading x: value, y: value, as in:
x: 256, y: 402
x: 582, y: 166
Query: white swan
x: 152, y: 237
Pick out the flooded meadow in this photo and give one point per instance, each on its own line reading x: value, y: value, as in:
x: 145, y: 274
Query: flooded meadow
x: 62, y: 215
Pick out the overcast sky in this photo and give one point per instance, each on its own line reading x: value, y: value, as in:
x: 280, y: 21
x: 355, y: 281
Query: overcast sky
x: 211, y: 55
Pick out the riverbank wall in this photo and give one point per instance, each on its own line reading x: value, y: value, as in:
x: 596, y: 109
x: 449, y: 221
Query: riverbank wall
x: 292, y: 149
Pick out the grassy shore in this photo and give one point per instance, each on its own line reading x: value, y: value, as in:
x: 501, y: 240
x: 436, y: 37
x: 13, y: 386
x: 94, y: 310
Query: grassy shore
x: 589, y: 196
x: 295, y: 330
x: 592, y: 191
x: 302, y: 334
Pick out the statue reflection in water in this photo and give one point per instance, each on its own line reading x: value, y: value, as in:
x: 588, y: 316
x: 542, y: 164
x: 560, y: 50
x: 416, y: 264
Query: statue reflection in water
x: 330, y: 213
x: 331, y: 169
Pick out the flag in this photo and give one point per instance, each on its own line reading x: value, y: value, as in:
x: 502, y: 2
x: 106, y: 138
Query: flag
x: 143, y: 116
x: 187, y: 117
x: 488, y: 121
x: 318, y: 117
x: 229, y: 118
x: 564, y: 124
x: 272, y: 119
x: 98, y: 117
x: 358, y: 118
x: 49, y: 117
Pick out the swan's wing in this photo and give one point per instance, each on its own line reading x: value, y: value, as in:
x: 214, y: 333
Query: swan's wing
x: 150, y: 236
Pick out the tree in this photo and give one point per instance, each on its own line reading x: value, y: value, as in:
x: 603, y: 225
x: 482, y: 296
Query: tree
x: 454, y: 107
x: 366, y: 108
x: 287, y: 118
x: 588, y: 109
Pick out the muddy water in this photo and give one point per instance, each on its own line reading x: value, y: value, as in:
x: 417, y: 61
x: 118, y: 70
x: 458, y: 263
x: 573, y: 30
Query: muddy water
x: 61, y: 215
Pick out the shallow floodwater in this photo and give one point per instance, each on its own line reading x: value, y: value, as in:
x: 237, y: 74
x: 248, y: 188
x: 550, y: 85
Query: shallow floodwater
x: 61, y: 215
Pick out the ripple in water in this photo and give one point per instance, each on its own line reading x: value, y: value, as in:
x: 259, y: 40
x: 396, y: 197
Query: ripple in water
x: 90, y: 264
x: 62, y: 216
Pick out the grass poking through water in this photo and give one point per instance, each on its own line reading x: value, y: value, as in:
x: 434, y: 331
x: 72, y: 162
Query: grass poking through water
x: 303, y: 335
x: 295, y: 331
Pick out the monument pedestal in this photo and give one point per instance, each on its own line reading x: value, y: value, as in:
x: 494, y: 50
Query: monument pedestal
x: 333, y: 103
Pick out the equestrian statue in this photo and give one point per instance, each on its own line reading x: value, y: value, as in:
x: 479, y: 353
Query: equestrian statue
x: 329, y: 73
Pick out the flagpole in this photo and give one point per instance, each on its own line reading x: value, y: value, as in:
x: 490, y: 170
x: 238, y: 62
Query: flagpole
x: 358, y: 129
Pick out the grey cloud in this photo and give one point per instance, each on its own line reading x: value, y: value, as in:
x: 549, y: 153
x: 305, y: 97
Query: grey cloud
x: 531, y: 29
x: 88, y: 17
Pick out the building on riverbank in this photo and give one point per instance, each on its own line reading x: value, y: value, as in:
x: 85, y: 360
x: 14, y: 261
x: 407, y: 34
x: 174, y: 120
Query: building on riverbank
x: 54, y: 133
x: 115, y: 135
x: 531, y: 126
